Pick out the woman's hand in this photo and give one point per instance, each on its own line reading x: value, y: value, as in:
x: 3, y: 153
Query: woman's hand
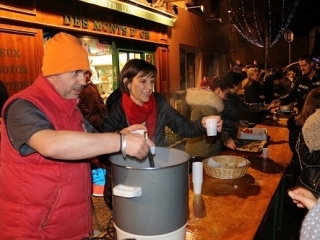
x: 302, y: 197
x: 230, y: 144
x: 219, y: 122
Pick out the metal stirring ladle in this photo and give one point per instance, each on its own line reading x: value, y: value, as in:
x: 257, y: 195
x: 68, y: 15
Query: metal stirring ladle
x: 150, y: 155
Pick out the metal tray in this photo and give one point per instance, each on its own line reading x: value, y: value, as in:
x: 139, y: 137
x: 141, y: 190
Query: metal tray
x: 247, y: 145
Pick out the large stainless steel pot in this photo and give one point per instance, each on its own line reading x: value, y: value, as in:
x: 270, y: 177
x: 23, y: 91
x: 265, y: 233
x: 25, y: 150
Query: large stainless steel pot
x: 151, y: 201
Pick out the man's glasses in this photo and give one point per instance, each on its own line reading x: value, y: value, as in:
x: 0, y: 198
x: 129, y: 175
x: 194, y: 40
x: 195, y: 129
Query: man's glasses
x: 78, y: 73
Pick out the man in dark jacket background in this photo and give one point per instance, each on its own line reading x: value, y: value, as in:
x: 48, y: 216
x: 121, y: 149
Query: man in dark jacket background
x: 303, y: 84
x: 91, y: 103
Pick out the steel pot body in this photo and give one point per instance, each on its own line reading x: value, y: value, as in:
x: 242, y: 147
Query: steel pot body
x: 151, y: 201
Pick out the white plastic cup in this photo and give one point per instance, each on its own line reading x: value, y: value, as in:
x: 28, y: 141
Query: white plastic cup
x: 211, y: 125
x: 265, y: 152
x: 197, y: 177
x: 197, y: 187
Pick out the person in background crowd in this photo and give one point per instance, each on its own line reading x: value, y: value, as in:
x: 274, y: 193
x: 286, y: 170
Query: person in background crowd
x: 234, y: 106
x: 254, y: 93
x: 45, y: 178
x: 206, y: 102
x: 205, y: 82
x: 3, y: 96
x: 237, y: 66
x: 308, y: 144
x: 255, y: 64
x: 134, y: 102
x: 311, y: 224
x: 91, y: 103
x: 92, y: 107
x: 303, y: 84
x: 272, y: 87
x: 287, y: 81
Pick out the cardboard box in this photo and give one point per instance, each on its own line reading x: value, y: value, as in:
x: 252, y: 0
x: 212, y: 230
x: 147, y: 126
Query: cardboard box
x: 257, y: 134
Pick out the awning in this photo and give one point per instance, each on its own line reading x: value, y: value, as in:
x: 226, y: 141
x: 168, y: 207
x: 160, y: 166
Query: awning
x: 158, y: 16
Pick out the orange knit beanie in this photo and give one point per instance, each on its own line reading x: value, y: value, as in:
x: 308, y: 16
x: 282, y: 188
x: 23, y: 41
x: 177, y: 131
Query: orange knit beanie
x: 64, y: 53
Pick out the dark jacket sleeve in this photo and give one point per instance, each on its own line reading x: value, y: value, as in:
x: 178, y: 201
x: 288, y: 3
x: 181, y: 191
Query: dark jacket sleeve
x: 307, y: 157
x: 234, y: 107
x: 252, y: 93
x: 115, y: 118
x: 82, y: 107
x: 292, y: 96
x: 167, y: 116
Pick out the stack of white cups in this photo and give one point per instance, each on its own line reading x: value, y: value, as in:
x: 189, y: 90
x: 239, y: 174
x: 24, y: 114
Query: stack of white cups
x: 197, y: 177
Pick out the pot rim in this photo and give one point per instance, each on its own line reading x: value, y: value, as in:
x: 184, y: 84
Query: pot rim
x: 149, y: 168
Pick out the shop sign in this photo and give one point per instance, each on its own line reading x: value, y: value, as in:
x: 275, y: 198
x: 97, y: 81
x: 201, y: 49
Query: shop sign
x: 11, y: 56
x: 161, y: 17
x: 106, y: 27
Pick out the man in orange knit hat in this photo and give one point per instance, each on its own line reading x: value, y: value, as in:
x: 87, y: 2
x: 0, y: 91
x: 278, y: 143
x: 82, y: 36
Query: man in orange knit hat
x: 45, y: 177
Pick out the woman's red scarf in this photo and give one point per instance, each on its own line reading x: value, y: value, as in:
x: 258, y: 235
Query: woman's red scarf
x: 141, y: 115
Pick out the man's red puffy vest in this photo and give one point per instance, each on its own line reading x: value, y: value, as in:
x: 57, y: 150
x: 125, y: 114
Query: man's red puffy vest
x: 44, y: 198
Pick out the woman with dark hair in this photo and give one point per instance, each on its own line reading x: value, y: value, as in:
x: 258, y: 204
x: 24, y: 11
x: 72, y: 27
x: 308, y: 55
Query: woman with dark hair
x: 135, y: 102
x: 308, y: 144
x: 205, y: 102
x: 234, y: 106
x: 272, y: 87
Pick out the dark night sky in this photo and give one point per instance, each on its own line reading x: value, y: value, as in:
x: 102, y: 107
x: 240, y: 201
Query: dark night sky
x: 307, y: 16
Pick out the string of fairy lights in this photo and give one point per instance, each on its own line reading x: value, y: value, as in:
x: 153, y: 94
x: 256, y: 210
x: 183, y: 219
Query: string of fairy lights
x: 255, y: 27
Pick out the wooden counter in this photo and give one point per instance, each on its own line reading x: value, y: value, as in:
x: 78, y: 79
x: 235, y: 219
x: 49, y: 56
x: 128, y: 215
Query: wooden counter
x: 234, y: 209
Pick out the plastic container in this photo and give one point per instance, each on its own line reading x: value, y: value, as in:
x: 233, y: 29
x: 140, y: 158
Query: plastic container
x: 257, y: 134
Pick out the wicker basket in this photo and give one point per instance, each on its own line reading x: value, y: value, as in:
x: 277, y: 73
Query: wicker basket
x: 228, y: 168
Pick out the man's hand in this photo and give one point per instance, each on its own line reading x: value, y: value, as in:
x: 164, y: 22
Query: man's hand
x: 244, y: 123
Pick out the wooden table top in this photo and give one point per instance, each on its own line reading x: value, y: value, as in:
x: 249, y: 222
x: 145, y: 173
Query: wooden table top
x: 233, y: 209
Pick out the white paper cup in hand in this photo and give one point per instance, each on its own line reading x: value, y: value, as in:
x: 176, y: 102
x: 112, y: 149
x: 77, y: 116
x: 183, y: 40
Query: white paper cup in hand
x: 211, y: 125
x: 265, y: 152
x: 197, y: 177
